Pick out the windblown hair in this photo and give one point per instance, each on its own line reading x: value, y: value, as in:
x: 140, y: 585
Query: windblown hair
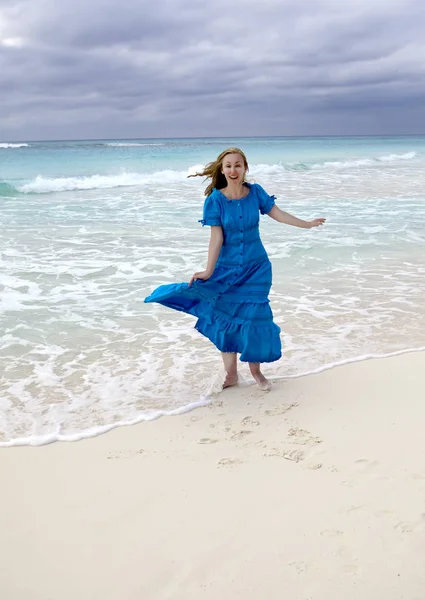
x: 213, y: 170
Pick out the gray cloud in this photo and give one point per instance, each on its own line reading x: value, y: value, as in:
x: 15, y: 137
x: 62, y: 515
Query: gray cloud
x: 173, y: 68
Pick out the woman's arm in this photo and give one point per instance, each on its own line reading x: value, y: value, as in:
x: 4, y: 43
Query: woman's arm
x: 216, y: 242
x: 283, y: 217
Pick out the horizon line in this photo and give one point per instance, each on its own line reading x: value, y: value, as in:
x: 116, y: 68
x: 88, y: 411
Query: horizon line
x: 220, y: 137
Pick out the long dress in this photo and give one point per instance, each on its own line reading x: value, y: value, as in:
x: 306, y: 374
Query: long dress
x: 232, y: 306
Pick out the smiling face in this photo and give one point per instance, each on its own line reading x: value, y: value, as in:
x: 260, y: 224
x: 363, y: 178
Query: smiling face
x: 234, y: 168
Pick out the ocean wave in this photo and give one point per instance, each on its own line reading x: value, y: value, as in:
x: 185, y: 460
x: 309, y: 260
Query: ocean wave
x: 395, y: 157
x: 364, y: 162
x: 277, y: 169
x: 127, y: 144
x: 45, y: 185
x: 6, y: 146
x: 264, y: 169
x: 7, y: 190
x: 195, y: 169
x: 336, y: 164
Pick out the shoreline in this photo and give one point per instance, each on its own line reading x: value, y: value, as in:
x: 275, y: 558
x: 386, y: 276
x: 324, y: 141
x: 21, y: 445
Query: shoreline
x: 313, y: 490
x: 206, y: 400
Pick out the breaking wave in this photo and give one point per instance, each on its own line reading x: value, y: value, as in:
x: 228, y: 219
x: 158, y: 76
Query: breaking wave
x: 6, y: 146
x: 46, y: 185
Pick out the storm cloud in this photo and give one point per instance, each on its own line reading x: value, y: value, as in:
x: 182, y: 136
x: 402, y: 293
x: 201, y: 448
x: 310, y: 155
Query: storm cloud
x: 104, y: 69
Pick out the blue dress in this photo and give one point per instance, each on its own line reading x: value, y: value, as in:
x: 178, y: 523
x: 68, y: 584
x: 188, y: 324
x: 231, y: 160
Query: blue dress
x: 232, y: 306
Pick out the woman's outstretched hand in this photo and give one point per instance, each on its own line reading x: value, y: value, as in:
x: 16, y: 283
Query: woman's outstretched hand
x: 316, y: 223
x: 201, y: 275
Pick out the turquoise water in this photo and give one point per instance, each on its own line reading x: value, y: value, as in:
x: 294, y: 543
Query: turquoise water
x: 89, y: 228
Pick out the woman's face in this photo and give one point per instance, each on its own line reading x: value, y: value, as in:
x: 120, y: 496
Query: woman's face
x: 233, y: 168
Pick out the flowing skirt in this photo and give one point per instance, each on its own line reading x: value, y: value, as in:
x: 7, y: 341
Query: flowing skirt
x: 232, y: 308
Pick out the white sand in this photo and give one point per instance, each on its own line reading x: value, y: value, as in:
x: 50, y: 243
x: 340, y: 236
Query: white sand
x: 314, y: 491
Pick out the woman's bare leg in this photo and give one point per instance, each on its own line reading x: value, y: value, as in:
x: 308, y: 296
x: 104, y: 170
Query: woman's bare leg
x: 231, y: 368
x: 264, y: 383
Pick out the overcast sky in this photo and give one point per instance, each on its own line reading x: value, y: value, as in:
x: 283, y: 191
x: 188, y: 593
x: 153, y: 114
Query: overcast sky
x: 174, y: 68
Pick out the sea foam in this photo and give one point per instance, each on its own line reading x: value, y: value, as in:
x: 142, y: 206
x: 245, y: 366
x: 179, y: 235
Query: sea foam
x: 44, y: 185
x: 6, y: 146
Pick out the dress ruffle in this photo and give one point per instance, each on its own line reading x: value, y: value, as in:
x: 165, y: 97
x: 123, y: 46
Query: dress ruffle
x: 256, y: 343
x: 233, y: 324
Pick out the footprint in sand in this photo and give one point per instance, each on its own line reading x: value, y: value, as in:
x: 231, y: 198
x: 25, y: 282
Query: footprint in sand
x: 121, y: 454
x: 314, y: 467
x: 366, y: 463
x: 302, y: 436
x: 298, y: 432
x: 292, y: 455
x: 300, y: 567
x: 356, y: 507
x: 228, y: 462
x: 216, y: 404
x: 280, y: 410
x: 240, y: 435
x: 273, y: 452
x: 114, y: 455
x: 409, y: 526
x: 404, y: 527
x: 195, y: 418
x: 250, y: 421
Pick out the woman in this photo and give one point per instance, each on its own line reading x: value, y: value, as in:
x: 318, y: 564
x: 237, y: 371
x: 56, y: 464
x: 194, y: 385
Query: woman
x: 230, y: 297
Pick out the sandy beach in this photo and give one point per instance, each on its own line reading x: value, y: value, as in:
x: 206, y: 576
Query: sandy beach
x: 313, y: 491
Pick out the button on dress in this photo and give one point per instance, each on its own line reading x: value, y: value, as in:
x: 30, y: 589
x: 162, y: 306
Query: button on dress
x: 232, y: 306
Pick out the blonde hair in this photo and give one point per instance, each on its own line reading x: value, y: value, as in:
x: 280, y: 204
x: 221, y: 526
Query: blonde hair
x: 213, y: 170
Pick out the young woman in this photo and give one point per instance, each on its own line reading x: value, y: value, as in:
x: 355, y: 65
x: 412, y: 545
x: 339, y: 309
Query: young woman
x: 230, y: 297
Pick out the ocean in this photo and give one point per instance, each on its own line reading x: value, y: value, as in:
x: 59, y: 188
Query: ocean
x: 89, y: 228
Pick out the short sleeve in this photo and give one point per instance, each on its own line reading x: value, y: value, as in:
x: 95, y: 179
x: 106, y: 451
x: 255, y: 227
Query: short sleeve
x: 212, y: 215
x: 265, y: 202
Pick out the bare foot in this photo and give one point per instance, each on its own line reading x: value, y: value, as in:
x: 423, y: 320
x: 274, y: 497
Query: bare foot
x: 263, y: 383
x: 231, y: 379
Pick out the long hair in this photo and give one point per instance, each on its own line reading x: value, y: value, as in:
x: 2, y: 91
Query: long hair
x: 213, y: 170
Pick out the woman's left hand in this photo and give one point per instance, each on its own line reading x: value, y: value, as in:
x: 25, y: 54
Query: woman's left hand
x: 316, y: 223
x: 204, y: 275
